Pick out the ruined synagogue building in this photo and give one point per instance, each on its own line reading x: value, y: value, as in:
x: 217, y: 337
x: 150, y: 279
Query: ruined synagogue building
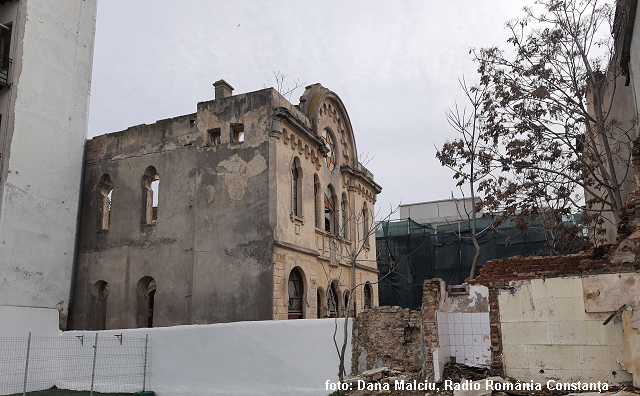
x: 248, y: 209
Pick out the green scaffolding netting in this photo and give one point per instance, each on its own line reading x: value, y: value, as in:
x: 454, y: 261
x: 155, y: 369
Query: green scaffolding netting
x: 409, y: 253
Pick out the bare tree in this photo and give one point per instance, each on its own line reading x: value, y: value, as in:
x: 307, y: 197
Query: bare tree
x: 547, y: 121
x: 363, y: 227
x: 467, y: 157
x: 284, y: 91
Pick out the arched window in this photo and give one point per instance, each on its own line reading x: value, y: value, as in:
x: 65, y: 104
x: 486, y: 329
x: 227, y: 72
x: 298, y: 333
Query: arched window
x: 365, y: 225
x: 345, y: 301
x: 320, y: 303
x: 333, y: 299
x: 146, y: 290
x: 105, y: 187
x: 150, y: 184
x: 330, y: 210
x: 296, y: 294
x: 99, y: 295
x: 316, y: 200
x: 296, y: 190
x: 345, y: 216
x: 368, y: 296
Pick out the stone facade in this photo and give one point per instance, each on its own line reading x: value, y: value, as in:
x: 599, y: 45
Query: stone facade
x: 221, y: 216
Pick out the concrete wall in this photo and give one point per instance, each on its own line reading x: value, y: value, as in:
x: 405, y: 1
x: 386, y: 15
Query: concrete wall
x: 245, y: 358
x: 43, y: 134
x: 550, y: 329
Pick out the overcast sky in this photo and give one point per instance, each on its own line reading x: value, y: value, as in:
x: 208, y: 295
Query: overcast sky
x: 394, y: 64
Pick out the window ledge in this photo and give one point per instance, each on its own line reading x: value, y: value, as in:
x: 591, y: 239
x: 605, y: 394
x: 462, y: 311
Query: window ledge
x: 149, y: 224
x: 334, y: 236
x: 297, y: 219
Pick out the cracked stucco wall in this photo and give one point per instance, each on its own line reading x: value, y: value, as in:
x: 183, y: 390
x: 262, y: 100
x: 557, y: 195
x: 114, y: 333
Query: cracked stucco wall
x: 43, y: 132
x: 211, y: 250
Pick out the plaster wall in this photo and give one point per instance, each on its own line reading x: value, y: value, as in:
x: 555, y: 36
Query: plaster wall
x: 44, y: 123
x: 244, y: 358
x: 210, y: 251
x: 549, y: 331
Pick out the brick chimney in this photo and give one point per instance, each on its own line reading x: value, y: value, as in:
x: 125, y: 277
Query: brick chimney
x: 223, y: 89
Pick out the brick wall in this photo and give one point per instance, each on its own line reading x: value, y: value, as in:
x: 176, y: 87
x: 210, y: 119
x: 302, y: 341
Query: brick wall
x: 387, y: 336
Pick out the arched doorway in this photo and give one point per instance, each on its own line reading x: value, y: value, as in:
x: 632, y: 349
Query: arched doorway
x: 296, y: 294
x: 146, y: 289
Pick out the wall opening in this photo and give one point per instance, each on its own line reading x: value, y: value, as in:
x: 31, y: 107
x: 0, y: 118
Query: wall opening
x: 237, y: 133
x: 105, y: 188
x: 214, y: 137
x: 146, y: 290
x: 333, y: 299
x: 316, y: 200
x: 345, y: 216
x: 99, y: 295
x: 368, y: 296
x: 320, y: 299
x: 150, y: 195
x: 330, y: 210
x: 296, y: 294
x: 365, y: 225
x: 296, y: 190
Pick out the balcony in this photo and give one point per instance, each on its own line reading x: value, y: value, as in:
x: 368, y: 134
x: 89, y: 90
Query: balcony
x: 5, y: 63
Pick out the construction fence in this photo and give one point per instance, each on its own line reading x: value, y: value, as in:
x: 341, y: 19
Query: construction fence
x: 74, y: 365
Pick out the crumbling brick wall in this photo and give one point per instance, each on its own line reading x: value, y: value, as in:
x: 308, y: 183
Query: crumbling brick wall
x: 431, y: 296
x: 387, y: 336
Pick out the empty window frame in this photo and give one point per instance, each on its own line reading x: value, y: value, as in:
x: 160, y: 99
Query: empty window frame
x: 344, y: 209
x: 214, y: 137
x: 296, y: 190
x: 105, y: 188
x: 316, y: 200
x: 330, y: 210
x: 150, y: 190
x: 368, y: 296
x: 237, y: 133
x: 365, y: 226
x: 296, y: 294
x: 333, y: 299
x: 146, y: 290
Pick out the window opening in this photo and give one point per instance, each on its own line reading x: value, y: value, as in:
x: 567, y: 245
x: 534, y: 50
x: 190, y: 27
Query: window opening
x: 295, y: 177
x: 150, y: 185
x: 367, y: 296
x: 99, y: 297
x: 214, y: 137
x: 296, y: 294
x: 331, y: 149
x: 237, y: 133
x: 106, y: 189
x: 329, y: 211
x: 332, y: 300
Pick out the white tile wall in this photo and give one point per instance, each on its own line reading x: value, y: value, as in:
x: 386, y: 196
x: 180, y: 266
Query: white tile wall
x: 464, y: 336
